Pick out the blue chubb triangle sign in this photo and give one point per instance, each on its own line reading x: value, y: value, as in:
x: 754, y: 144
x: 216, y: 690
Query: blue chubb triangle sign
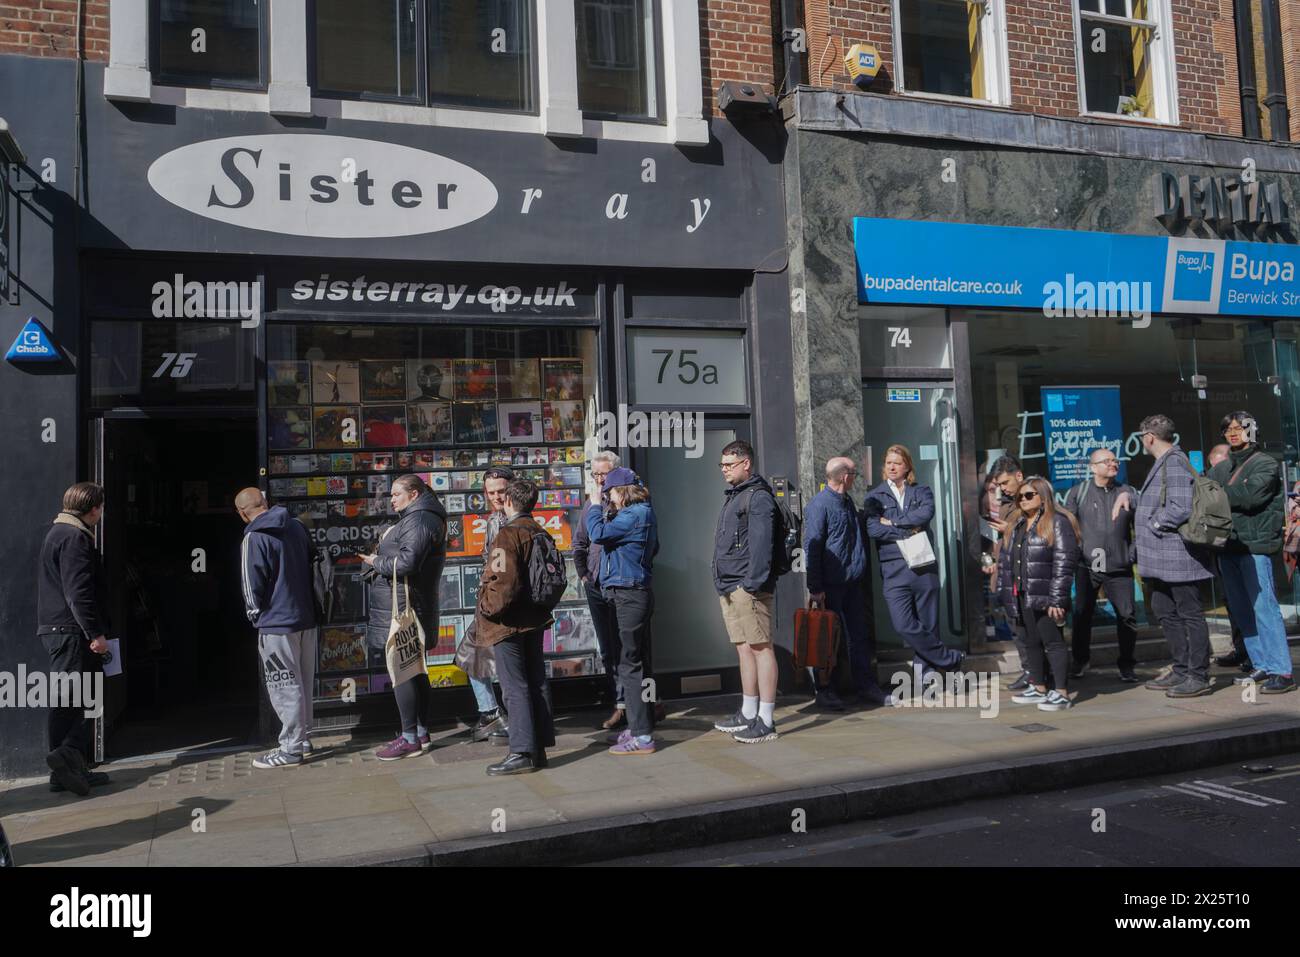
x: 33, y: 345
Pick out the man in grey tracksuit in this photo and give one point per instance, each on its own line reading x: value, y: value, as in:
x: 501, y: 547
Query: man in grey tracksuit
x: 276, y: 569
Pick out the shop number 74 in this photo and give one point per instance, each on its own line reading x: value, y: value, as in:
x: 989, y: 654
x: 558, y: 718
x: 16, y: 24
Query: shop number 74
x: 707, y: 374
x: 183, y: 361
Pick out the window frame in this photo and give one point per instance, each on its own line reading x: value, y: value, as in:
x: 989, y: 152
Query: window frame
x: 993, y: 36
x: 1164, y: 78
x: 161, y: 78
x: 534, y: 80
x: 418, y: 98
x: 659, y: 116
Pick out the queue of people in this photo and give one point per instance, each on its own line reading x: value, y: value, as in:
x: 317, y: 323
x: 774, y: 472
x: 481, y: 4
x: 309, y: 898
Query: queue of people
x: 1050, y: 563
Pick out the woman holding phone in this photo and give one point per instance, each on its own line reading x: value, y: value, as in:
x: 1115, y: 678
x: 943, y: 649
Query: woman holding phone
x: 1040, y: 551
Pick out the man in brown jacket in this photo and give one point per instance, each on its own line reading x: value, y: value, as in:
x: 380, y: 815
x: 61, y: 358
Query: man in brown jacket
x: 510, y: 622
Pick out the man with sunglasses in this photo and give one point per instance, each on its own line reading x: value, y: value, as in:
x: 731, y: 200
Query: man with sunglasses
x: 1104, y: 509
x: 1250, y: 477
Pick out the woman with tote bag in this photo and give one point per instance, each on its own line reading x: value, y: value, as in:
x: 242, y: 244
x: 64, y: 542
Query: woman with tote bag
x: 898, y: 513
x: 406, y: 569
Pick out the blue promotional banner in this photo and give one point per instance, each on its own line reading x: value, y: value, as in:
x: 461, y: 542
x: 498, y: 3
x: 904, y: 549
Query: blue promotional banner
x: 1078, y: 420
x: 1070, y: 273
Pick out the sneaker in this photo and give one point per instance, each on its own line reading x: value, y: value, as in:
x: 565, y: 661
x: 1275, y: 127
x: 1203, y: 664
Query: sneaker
x: 398, y: 748
x: 1128, y: 676
x: 1259, y: 676
x: 828, y: 699
x: 1055, y: 701
x: 733, y: 724
x: 1164, y: 682
x: 758, y: 731
x: 633, y: 746
x: 1278, y: 684
x: 1021, y: 683
x: 277, y: 759
x: 1190, y: 688
x: 620, y: 737
x: 488, y: 722
x: 1030, y: 695
x: 1078, y: 670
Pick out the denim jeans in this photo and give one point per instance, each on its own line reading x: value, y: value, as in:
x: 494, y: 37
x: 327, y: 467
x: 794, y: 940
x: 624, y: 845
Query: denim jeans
x: 487, y: 701
x: 1252, y: 603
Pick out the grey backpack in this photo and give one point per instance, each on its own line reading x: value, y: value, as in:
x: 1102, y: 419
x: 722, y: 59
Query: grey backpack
x: 1210, y: 524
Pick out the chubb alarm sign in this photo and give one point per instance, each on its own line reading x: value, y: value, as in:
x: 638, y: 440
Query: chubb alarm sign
x: 305, y: 184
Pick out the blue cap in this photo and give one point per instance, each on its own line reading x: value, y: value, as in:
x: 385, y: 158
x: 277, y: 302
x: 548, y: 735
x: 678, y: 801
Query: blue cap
x: 617, y: 477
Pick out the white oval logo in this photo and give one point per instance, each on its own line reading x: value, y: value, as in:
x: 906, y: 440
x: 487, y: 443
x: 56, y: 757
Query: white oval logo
x: 338, y: 187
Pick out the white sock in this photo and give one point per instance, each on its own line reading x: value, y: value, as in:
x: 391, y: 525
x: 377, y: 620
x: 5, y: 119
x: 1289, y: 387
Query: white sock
x: 748, y: 706
x: 765, y: 711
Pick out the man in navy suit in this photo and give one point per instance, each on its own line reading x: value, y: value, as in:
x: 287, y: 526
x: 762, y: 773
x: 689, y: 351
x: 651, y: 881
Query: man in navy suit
x: 895, y: 509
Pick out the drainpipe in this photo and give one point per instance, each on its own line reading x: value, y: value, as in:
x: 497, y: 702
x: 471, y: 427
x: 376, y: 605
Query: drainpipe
x: 793, y: 60
x: 1246, y: 70
x: 1276, y: 70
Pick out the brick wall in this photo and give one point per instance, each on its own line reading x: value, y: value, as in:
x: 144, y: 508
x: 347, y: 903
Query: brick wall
x: 1202, y: 64
x: 47, y: 28
x: 1290, y: 10
x: 737, y: 42
x: 1040, y: 53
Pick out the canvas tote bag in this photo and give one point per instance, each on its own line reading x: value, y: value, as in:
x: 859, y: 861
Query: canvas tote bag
x: 404, y: 650
x: 916, y: 549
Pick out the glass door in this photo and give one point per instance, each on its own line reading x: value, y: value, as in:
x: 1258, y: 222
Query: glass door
x: 923, y: 417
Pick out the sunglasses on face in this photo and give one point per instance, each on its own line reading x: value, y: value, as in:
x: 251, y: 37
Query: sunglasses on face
x: 1027, y: 496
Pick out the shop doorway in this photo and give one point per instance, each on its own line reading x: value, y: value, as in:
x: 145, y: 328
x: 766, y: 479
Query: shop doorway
x: 922, y: 416
x: 170, y: 541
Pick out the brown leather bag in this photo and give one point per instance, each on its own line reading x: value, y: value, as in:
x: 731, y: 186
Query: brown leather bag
x: 816, y: 637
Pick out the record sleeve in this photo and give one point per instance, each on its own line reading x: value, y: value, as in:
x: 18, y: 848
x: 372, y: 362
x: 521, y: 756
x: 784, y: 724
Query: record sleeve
x: 502, y: 458
x: 380, y: 682
x: 403, y: 460
x: 562, y: 379
x: 569, y: 667
x: 425, y: 460
x: 470, y: 576
x: 383, y: 380
x: 288, y: 383
x: 476, y: 502
x: 574, y: 630
x: 563, y: 421
x: 574, y: 455
x: 277, y: 464
x: 288, y: 428
x: 382, y: 462
x: 455, y: 536
x: 430, y: 424
x: 335, y: 381
x: 336, y: 426
x: 440, y: 481
x: 454, y: 502
x: 573, y: 590
x: 475, y: 422
x: 476, y: 379
x: 338, y: 688
x: 342, y: 647
x: 301, y: 464
x: 429, y: 379
x: 340, y: 461
x: 317, y: 485
x: 520, y: 421
x: 385, y: 426
x: 518, y: 379
x: 447, y: 676
x: 347, y: 597
x: 449, y: 588
x: 450, y: 630
x: 336, y: 485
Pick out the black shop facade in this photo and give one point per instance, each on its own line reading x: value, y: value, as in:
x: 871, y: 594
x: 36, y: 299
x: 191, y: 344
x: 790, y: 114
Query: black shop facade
x: 318, y: 309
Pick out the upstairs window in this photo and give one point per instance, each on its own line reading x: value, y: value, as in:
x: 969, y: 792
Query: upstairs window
x: 474, y: 53
x: 950, y: 48
x: 618, y: 59
x: 218, y: 43
x: 1124, y: 56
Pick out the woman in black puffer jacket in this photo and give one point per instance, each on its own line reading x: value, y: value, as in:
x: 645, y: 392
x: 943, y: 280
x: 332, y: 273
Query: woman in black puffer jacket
x: 1040, y: 550
x: 414, y: 550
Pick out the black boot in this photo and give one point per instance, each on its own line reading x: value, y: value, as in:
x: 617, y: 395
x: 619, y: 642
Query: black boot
x: 515, y: 763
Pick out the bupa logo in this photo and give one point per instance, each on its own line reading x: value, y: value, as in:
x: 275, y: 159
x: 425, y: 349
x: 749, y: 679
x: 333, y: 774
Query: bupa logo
x: 1194, y: 275
x: 338, y: 187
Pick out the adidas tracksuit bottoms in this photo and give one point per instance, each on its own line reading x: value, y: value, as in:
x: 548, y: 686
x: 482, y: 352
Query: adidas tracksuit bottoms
x: 289, y: 667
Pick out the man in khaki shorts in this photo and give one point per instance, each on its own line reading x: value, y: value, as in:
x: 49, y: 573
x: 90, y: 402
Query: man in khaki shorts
x: 743, y: 575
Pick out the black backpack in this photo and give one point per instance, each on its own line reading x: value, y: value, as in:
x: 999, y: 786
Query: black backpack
x: 546, y: 577
x: 785, y: 536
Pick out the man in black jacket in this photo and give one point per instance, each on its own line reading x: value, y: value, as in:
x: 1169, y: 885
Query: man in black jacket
x: 71, y: 597
x: 746, y: 586
x: 1105, y: 511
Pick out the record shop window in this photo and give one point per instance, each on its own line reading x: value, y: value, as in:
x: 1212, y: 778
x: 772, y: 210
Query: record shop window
x: 950, y: 48
x: 480, y: 54
x: 218, y: 43
x: 1124, y: 55
x: 619, y: 55
x: 349, y: 409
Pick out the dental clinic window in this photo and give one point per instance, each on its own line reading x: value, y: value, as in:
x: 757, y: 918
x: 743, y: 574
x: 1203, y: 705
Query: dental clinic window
x: 218, y: 43
x: 619, y: 70
x: 480, y: 54
x: 1124, y: 55
x: 952, y: 48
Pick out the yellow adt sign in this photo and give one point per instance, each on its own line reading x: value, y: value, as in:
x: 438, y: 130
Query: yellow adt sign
x: 862, y: 63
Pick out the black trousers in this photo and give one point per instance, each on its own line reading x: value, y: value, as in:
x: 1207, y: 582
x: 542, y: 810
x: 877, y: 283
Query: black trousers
x: 1119, y: 590
x: 527, y: 692
x: 633, y: 608
x: 413, y: 701
x: 1045, y: 644
x: 1177, y: 605
x: 606, y: 625
x: 70, y: 653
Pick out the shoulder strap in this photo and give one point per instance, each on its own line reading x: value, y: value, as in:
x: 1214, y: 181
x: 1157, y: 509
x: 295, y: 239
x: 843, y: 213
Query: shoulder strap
x: 1242, y: 467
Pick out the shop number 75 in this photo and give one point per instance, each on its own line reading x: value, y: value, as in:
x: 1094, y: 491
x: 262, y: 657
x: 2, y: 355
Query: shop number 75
x: 183, y: 362
x: 707, y: 374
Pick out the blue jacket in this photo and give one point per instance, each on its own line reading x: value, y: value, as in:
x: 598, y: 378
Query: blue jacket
x: 629, y: 542
x: 275, y: 565
x: 742, y: 544
x: 834, y: 551
x: 917, y: 512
